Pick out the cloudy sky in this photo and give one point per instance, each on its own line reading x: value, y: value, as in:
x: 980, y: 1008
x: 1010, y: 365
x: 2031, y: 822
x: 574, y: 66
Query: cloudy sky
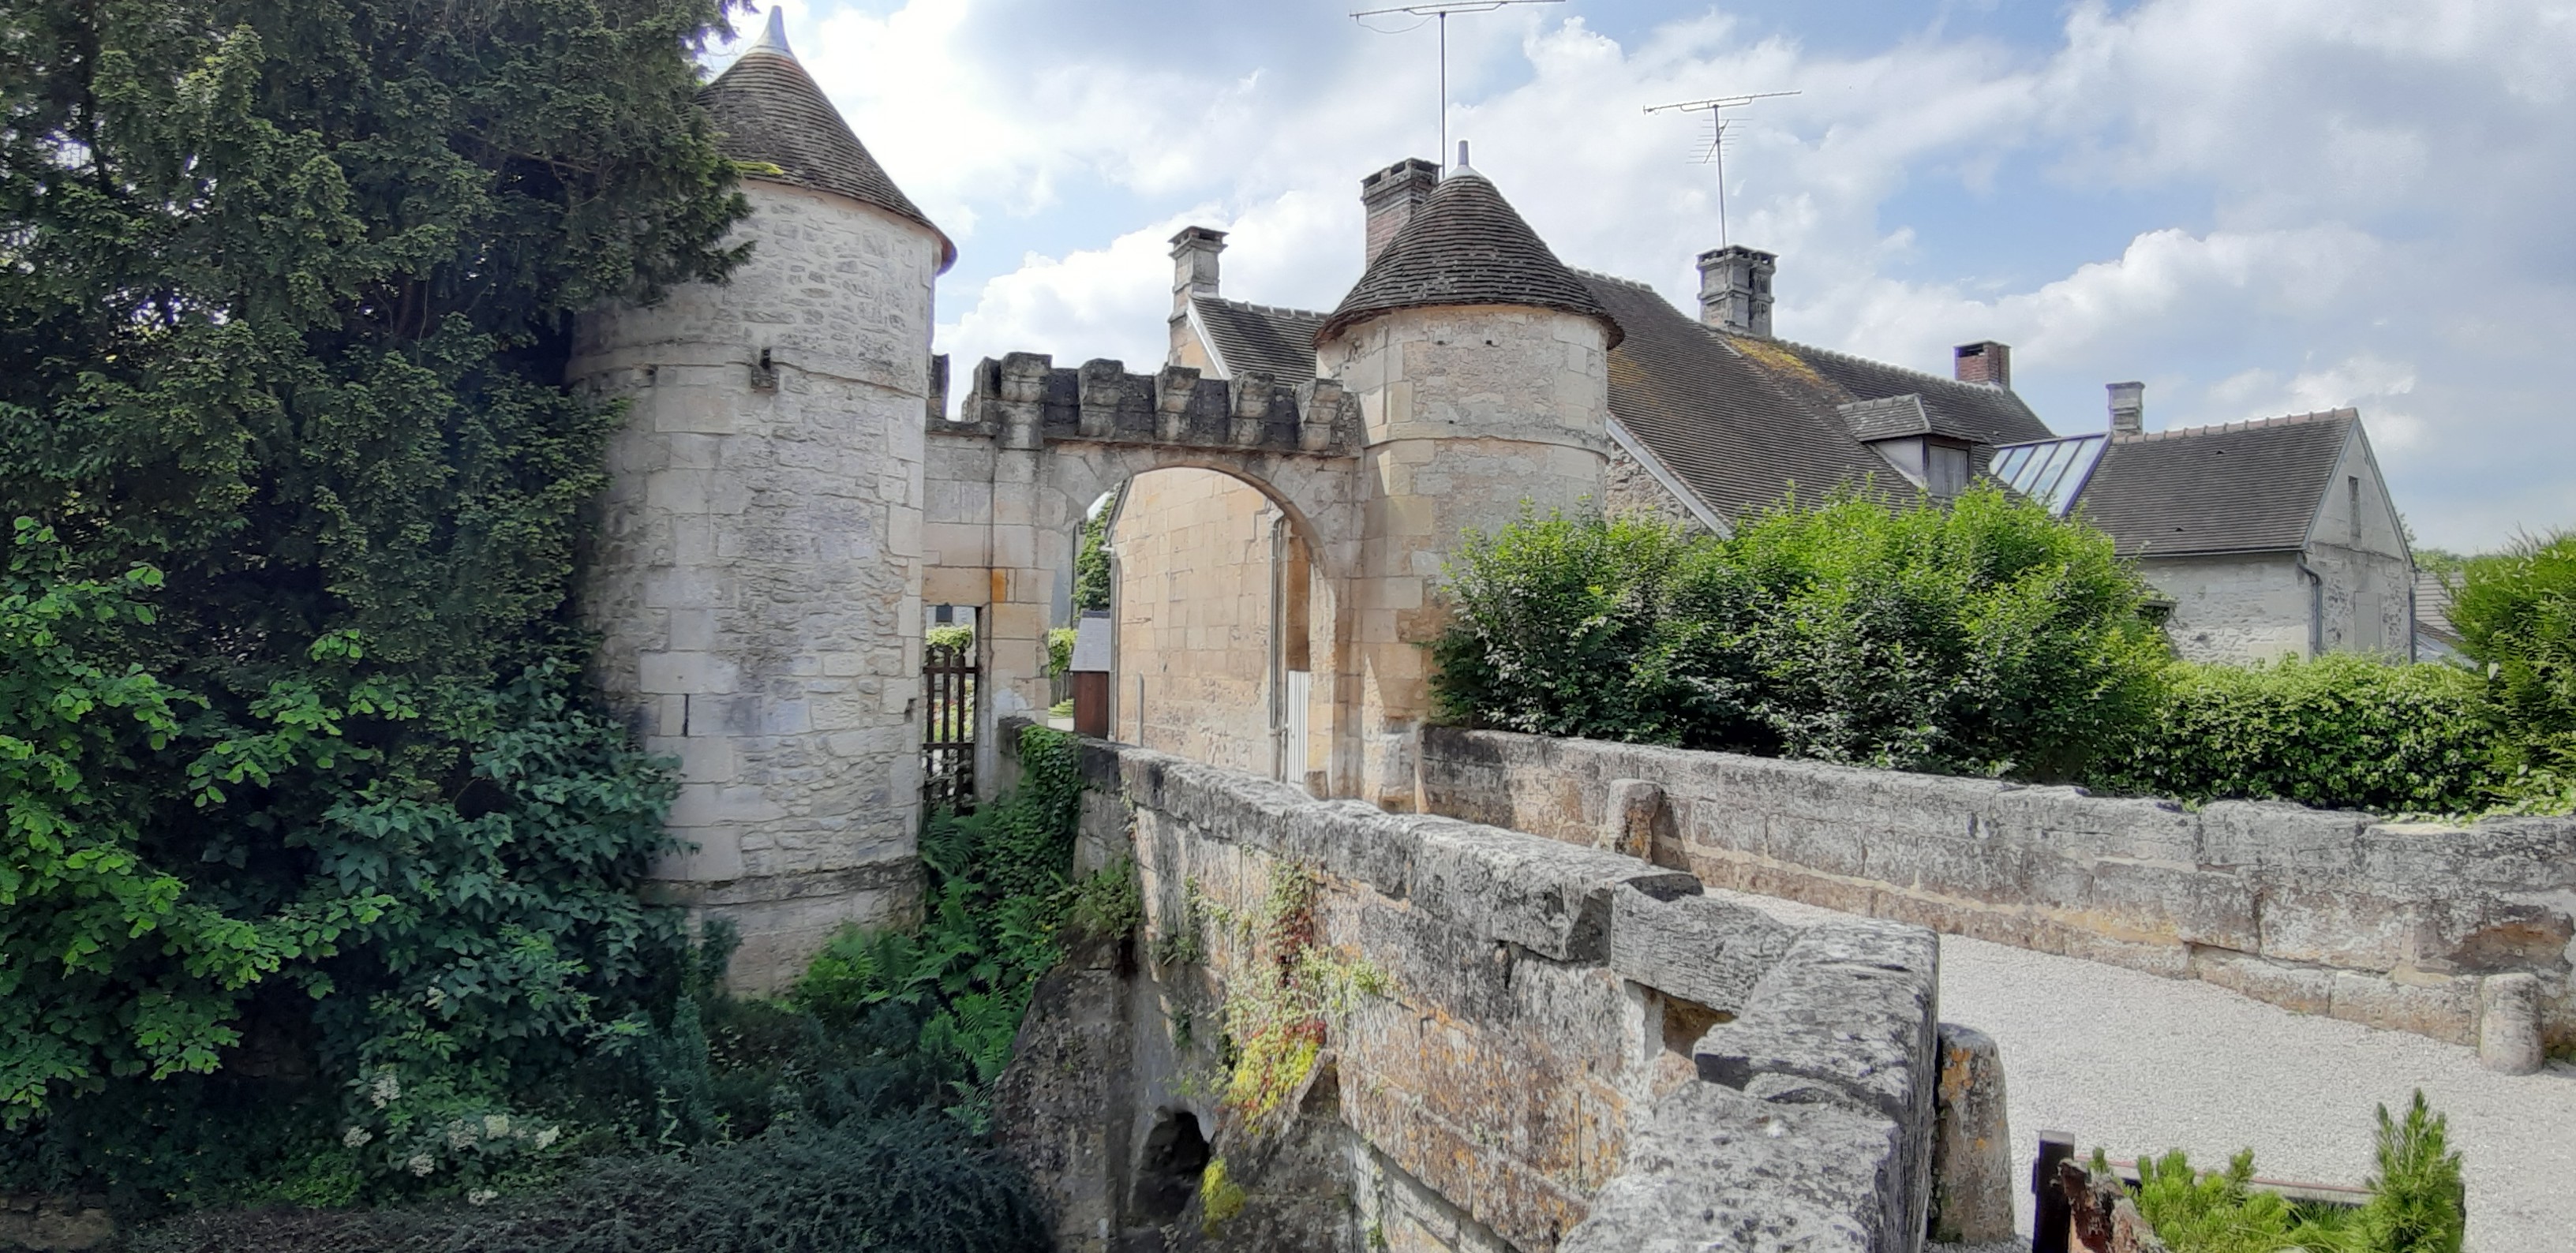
x: 2256, y: 206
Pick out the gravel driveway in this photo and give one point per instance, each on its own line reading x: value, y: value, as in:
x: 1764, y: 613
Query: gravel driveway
x: 2138, y: 1063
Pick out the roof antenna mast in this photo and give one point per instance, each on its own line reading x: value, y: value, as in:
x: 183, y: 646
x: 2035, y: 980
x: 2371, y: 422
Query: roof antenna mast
x: 1715, y: 154
x: 1441, y: 11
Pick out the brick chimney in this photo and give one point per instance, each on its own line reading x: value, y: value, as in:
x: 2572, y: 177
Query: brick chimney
x: 1735, y: 289
x: 1982, y: 362
x: 2128, y: 408
x: 1392, y: 194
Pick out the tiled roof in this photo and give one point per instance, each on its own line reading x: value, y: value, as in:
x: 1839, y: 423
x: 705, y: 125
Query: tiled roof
x: 767, y: 109
x: 2244, y: 487
x: 1896, y: 417
x: 1247, y: 337
x: 1737, y: 433
x: 1971, y: 411
x: 1465, y: 246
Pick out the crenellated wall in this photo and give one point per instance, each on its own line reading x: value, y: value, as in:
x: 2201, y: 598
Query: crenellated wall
x: 1575, y: 1049
x: 2461, y: 934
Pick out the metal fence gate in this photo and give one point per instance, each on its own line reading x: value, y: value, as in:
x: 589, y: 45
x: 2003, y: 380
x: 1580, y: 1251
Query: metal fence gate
x: 948, y: 728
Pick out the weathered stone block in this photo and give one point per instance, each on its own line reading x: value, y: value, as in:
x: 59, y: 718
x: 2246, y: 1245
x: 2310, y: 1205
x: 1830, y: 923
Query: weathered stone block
x: 2509, y: 1039
x: 1698, y: 948
x: 2445, y: 1008
x: 1551, y: 898
x: 2305, y: 989
x: 1972, y: 1176
x: 1716, y: 1169
x: 1850, y: 1006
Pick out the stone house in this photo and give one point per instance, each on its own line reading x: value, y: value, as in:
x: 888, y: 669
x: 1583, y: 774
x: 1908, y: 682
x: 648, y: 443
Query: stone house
x: 2268, y: 539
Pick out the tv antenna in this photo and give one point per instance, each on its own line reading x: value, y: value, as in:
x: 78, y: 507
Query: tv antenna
x: 1440, y: 11
x: 1715, y: 154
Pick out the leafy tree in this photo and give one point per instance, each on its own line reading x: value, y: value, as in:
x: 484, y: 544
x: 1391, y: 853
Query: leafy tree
x: 2516, y: 612
x: 1094, y: 580
x: 293, y: 761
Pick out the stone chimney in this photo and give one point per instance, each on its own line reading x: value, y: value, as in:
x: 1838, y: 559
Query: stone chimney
x: 1392, y: 194
x: 1982, y: 362
x: 1194, y: 265
x: 1735, y: 289
x: 1193, y: 274
x: 2128, y: 408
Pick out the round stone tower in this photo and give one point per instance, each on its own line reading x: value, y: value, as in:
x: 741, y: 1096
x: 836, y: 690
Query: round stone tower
x: 756, y: 577
x: 1482, y: 365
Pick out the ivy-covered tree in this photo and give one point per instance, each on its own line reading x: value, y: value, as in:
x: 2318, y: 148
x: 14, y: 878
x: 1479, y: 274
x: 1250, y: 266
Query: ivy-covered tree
x: 290, y: 760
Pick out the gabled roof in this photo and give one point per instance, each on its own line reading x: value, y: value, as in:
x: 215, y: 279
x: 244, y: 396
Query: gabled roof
x: 1465, y: 246
x: 1975, y: 412
x: 1727, y: 426
x: 2243, y: 487
x: 1248, y: 337
x: 767, y: 109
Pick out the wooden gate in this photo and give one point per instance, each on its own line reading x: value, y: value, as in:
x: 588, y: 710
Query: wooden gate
x: 948, y: 728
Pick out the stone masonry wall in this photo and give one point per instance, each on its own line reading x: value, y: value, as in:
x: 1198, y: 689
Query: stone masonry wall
x: 1469, y: 415
x: 1194, y: 612
x: 1579, y: 1051
x: 756, y: 577
x: 2233, y: 609
x: 2430, y: 929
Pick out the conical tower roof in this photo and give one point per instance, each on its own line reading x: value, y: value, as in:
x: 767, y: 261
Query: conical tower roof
x: 766, y: 108
x: 1465, y: 246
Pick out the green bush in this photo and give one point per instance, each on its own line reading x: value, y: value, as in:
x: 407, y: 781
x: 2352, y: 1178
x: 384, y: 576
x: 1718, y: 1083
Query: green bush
x: 1000, y: 892
x: 2516, y: 613
x: 1983, y: 636
x: 2338, y: 732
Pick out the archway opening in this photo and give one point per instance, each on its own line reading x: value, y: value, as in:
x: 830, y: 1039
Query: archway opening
x: 1167, y: 1175
x: 1215, y: 635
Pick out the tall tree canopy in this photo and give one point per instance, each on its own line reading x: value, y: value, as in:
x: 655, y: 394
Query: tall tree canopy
x: 286, y: 733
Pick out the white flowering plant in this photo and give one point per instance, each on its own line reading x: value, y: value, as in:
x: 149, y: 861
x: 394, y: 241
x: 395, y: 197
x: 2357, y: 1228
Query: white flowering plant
x: 439, y: 1137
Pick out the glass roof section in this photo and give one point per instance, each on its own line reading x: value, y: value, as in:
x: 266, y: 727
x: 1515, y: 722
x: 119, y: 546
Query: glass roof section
x: 2049, y: 470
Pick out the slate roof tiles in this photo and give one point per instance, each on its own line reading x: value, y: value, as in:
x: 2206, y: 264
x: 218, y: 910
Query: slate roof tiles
x: 2244, y: 487
x: 767, y: 109
x: 1466, y: 246
x: 1248, y: 337
x: 1737, y: 432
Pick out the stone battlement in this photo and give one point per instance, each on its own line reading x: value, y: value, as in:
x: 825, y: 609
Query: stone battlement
x: 1025, y: 400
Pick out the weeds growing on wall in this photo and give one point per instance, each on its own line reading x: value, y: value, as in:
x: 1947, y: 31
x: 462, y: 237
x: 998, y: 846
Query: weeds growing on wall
x: 1981, y: 636
x: 2415, y: 1203
x: 1283, y: 1000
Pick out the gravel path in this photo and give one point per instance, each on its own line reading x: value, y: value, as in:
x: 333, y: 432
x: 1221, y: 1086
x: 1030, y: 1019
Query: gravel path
x: 2138, y: 1063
